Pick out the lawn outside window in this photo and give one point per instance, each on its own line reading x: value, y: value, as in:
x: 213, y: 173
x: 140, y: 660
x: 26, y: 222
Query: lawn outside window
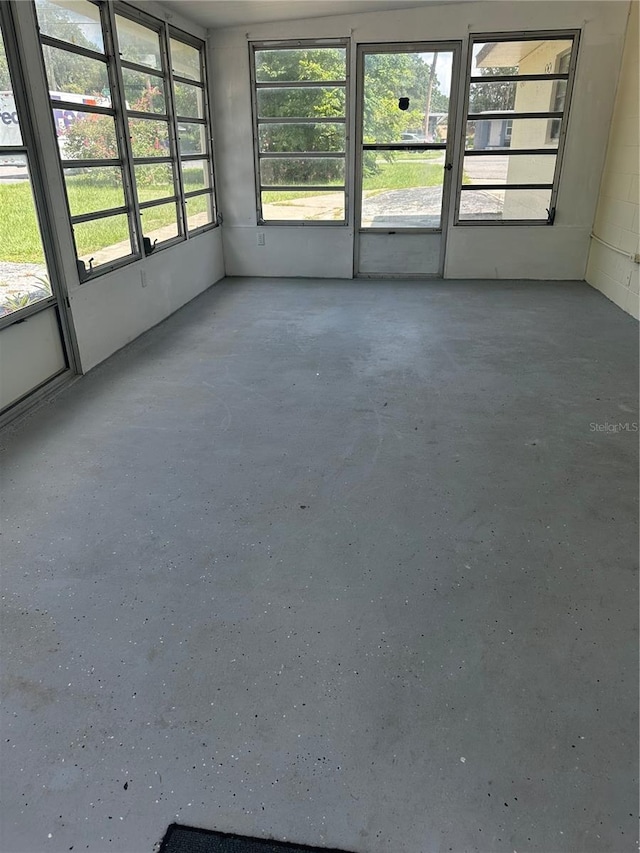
x: 517, y: 101
x: 116, y: 90
x: 300, y: 105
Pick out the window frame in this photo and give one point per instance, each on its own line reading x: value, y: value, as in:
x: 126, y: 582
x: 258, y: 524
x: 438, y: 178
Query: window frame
x: 558, y: 148
x: 293, y: 44
x: 178, y: 35
x: 125, y: 161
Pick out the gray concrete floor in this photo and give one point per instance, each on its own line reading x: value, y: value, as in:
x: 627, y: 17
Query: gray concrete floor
x: 343, y: 563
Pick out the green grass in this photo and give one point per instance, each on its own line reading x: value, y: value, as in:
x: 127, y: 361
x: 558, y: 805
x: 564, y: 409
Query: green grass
x: 20, y: 237
x: 405, y: 172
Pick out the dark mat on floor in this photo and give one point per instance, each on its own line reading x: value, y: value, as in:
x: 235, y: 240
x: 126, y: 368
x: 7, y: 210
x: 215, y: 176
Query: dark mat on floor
x: 185, y: 839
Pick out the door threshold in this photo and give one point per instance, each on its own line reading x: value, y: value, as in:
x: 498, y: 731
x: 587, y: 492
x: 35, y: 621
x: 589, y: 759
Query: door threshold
x: 432, y: 276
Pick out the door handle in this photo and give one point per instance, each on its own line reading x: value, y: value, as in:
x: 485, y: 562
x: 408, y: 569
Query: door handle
x: 448, y: 166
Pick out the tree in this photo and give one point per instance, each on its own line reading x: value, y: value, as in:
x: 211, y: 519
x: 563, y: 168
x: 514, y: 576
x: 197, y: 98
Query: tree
x: 494, y: 95
x: 388, y: 77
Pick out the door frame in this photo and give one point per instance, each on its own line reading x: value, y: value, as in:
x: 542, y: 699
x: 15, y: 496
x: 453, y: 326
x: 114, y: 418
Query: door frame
x: 453, y: 46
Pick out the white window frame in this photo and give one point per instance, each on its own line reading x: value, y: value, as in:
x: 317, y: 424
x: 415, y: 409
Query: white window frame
x: 557, y: 150
x: 293, y: 44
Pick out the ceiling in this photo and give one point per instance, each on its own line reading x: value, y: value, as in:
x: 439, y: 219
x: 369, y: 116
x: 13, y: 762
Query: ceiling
x: 231, y: 13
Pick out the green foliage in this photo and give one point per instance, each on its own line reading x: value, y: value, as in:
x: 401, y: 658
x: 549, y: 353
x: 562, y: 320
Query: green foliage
x: 91, y: 137
x: 494, y: 95
x: 5, y: 79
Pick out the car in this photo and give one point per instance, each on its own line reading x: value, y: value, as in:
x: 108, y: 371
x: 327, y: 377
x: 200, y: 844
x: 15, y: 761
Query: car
x: 412, y: 137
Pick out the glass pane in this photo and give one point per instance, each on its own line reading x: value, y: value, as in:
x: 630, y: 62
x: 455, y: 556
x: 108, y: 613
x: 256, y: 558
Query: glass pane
x: 303, y: 206
x: 149, y: 138
x: 189, y: 100
x: 525, y: 169
x: 195, y: 175
x: 510, y: 133
x: 85, y: 136
x: 137, y: 43
x: 76, y: 78
x: 406, y: 97
x: 154, y: 181
x: 9, y: 124
x: 199, y: 211
x: 94, y: 189
x: 160, y: 222
x: 102, y: 240
x: 192, y: 138
x: 530, y: 96
x: 307, y: 102
x: 504, y: 204
x: 318, y: 171
x: 294, y: 64
x: 306, y: 136
x: 25, y: 278
x: 185, y: 60
x: 518, y: 57
x: 73, y: 21
x: 402, y: 189
x: 144, y: 93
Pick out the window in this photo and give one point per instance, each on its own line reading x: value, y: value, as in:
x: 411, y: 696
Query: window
x: 300, y: 108
x: 560, y: 93
x: 25, y: 277
x: 517, y: 100
x: 117, y: 93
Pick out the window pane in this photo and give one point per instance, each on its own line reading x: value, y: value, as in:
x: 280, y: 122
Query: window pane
x: 24, y: 271
x: 160, y: 222
x: 195, y: 175
x: 402, y: 189
x: 189, y: 100
x: 294, y: 64
x: 95, y: 189
x: 504, y: 204
x: 144, y: 93
x: 137, y: 43
x: 509, y: 133
x: 525, y: 169
x: 303, y: 206
x: 306, y: 136
x: 199, y: 211
x: 76, y: 78
x: 307, y: 102
x: 149, y: 138
x: 85, y: 136
x: 518, y: 57
x: 318, y: 171
x: 73, y: 21
x: 530, y: 96
x: 154, y: 181
x: 192, y: 138
x: 185, y: 60
x: 102, y: 240
x: 10, y: 126
x: 423, y: 80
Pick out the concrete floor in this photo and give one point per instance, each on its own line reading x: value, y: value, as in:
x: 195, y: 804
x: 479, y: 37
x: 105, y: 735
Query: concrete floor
x: 343, y: 563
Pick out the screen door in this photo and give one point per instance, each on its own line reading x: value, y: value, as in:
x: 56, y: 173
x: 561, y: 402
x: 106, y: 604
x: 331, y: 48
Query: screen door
x: 405, y: 138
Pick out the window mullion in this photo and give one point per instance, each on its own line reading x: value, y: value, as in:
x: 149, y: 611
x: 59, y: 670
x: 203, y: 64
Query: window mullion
x: 122, y: 128
x: 206, y: 108
x: 174, y: 141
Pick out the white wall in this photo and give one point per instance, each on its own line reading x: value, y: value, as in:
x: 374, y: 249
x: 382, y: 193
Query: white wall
x: 109, y: 311
x: 539, y: 252
x: 617, y: 215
